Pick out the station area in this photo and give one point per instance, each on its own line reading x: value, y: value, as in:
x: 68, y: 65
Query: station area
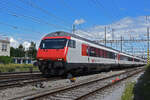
x: 74, y: 50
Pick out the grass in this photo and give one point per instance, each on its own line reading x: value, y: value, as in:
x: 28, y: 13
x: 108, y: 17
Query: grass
x: 147, y: 66
x: 17, y: 67
x: 142, y: 90
x: 33, y: 89
x: 128, y: 93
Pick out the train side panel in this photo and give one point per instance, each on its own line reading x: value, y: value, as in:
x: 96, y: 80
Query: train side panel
x: 77, y: 59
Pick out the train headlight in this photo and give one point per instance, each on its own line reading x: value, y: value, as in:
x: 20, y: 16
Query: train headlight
x: 60, y: 59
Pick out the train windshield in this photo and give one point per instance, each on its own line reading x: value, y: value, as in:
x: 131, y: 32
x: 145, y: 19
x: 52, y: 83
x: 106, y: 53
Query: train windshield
x: 59, y: 43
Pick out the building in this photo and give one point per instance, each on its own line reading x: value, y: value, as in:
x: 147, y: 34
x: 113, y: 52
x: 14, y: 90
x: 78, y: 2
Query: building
x: 4, y: 46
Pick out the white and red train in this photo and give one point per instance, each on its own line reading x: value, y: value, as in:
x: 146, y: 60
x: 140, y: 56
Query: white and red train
x: 61, y: 53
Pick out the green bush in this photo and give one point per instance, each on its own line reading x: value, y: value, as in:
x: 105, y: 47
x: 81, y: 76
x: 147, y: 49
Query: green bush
x: 5, y: 59
x: 142, y: 88
x: 147, y: 66
x: 17, y: 67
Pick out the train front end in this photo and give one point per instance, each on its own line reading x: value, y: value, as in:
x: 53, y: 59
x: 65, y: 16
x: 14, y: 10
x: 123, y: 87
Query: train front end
x: 52, y: 54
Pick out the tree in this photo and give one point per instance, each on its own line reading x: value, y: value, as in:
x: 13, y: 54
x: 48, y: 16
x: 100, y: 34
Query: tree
x: 17, y: 52
x: 32, y: 50
x: 13, y: 52
x: 21, y: 51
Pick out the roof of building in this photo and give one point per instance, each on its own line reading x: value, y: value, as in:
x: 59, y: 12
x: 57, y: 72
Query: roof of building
x: 5, y: 41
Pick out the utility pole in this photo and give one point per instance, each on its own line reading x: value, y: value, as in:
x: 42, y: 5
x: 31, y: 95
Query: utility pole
x: 148, y: 45
x: 147, y: 41
x: 112, y: 36
x: 105, y: 36
x: 121, y: 44
x: 132, y: 51
x: 73, y: 29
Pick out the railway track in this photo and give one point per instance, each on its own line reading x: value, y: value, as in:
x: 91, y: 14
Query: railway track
x: 17, y: 75
x: 81, y: 90
x: 11, y: 73
x: 21, y: 79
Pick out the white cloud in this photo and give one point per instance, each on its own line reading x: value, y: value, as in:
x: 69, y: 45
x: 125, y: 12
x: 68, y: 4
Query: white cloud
x: 79, y: 21
x: 13, y: 43
x: 127, y: 27
x: 26, y: 44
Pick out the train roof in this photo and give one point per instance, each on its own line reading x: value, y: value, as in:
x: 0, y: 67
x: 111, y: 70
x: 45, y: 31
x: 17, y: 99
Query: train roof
x: 62, y: 33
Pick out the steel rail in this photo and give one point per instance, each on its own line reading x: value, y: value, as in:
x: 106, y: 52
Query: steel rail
x: 17, y: 73
x: 83, y: 97
x: 26, y: 82
x: 58, y: 90
x: 4, y: 77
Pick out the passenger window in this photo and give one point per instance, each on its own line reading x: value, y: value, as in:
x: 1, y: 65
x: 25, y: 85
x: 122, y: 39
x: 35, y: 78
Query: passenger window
x: 72, y: 44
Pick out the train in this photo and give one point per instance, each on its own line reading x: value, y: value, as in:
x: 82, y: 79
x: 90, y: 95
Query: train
x: 62, y: 53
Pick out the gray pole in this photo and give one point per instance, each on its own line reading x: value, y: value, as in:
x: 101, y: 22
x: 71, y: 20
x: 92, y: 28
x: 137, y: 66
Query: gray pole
x: 147, y: 41
x: 105, y: 35
x: 121, y: 44
x: 112, y: 34
x: 148, y: 45
x: 112, y: 37
x: 73, y: 28
x: 132, y: 51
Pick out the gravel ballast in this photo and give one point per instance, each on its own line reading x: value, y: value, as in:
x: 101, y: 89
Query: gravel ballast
x: 50, y: 85
x: 115, y: 92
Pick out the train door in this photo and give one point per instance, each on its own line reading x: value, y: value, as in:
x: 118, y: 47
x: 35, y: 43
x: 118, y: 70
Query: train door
x: 118, y: 58
x: 88, y: 53
x: 85, y: 52
x: 115, y: 57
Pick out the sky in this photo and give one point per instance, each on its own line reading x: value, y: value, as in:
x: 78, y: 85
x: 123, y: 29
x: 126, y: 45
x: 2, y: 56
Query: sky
x: 24, y: 21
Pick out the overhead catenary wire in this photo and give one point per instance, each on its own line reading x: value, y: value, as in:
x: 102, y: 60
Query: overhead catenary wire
x: 33, y: 18
x: 73, y: 10
x: 17, y: 27
x: 37, y: 20
x: 116, y: 6
x: 20, y: 28
x: 45, y: 11
x: 70, y: 8
x: 113, y: 17
x: 99, y: 5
